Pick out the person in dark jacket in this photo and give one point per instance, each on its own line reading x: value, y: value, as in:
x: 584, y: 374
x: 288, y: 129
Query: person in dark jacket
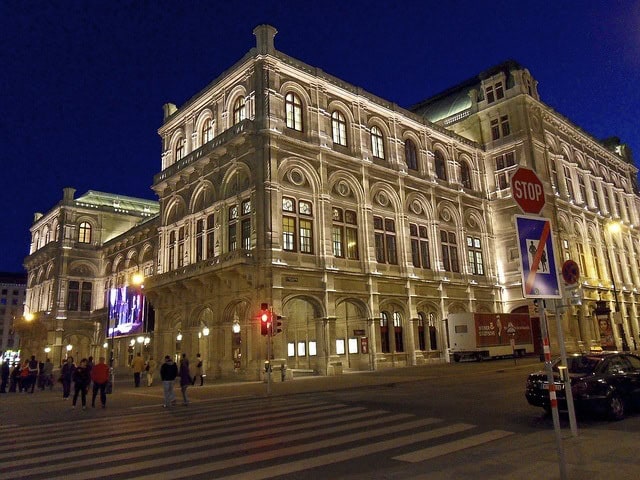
x: 185, y: 378
x: 6, y: 370
x: 81, y: 382
x: 66, y: 376
x: 168, y: 374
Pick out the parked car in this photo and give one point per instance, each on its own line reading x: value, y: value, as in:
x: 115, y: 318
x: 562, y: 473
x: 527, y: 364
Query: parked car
x: 604, y: 383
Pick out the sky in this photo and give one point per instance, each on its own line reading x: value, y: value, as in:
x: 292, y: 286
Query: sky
x: 82, y: 83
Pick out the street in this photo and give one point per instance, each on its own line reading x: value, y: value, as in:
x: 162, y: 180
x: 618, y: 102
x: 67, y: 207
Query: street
x: 422, y: 422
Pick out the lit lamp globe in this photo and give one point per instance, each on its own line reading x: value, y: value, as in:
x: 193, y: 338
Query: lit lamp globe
x: 137, y: 278
x: 28, y: 317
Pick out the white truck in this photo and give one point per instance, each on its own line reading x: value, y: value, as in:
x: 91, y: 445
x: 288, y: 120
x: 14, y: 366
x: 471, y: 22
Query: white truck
x: 481, y: 336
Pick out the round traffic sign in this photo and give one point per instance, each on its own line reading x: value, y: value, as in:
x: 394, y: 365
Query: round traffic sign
x: 570, y: 272
x: 527, y: 190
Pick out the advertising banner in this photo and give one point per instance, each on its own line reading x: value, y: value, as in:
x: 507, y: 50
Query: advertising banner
x: 497, y: 329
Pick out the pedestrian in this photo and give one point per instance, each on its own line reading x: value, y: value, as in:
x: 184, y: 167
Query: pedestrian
x: 199, y: 370
x: 137, y: 364
x: 151, y: 370
x: 24, y: 377
x: 168, y: 374
x: 32, y: 374
x: 47, y: 374
x: 66, y: 376
x: 185, y: 378
x: 81, y: 382
x: 6, y: 370
x: 14, y: 378
x: 100, y: 378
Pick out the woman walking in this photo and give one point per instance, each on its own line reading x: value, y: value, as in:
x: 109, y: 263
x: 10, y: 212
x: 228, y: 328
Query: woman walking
x: 81, y: 380
x: 185, y: 378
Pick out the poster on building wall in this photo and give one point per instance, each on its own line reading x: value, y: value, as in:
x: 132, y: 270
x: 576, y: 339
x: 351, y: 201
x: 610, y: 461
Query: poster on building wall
x: 606, y: 331
x: 126, y: 311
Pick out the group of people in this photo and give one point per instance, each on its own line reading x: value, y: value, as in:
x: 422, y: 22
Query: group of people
x: 26, y: 376
x: 169, y: 371
x: 83, y: 376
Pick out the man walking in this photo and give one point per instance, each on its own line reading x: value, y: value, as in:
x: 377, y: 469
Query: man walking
x: 5, y: 375
x: 137, y: 364
x: 168, y: 374
x: 33, y: 367
x: 100, y: 378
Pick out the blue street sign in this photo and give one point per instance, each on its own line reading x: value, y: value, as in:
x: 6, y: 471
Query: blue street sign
x: 537, y: 259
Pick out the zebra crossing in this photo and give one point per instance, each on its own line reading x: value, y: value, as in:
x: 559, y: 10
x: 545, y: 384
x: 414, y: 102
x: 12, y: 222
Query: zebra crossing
x: 251, y: 438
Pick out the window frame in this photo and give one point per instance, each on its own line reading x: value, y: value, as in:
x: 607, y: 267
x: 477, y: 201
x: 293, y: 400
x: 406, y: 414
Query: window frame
x: 293, y: 111
x: 377, y: 142
x: 339, y: 128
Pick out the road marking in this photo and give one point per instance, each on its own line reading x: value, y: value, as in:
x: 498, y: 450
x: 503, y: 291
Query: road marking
x: 348, y: 454
x: 202, y: 469
x: 446, y: 448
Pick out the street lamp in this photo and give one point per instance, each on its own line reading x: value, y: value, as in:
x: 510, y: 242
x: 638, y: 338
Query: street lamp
x: 69, y: 348
x: 614, y: 227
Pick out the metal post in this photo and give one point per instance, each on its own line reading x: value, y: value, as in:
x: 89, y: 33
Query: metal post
x: 552, y: 392
x: 567, y: 380
x: 623, y: 337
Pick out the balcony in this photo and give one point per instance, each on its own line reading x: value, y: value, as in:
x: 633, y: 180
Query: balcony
x: 206, y: 149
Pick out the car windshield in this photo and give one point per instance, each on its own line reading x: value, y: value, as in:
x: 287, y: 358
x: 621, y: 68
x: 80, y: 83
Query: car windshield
x: 582, y: 364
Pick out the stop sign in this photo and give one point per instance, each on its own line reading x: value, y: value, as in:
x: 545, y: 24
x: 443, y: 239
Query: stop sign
x: 527, y: 190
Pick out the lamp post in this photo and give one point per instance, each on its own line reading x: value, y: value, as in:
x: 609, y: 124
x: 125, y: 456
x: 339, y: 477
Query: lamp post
x: 614, y: 227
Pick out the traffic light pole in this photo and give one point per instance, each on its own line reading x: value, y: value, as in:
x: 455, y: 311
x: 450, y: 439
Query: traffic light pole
x: 269, y: 334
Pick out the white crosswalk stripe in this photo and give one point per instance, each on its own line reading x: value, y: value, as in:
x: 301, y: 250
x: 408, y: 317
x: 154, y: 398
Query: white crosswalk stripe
x: 250, y: 438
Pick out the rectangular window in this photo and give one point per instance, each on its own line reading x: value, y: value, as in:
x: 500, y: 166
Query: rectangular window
x: 339, y: 346
x: 73, y: 297
x: 569, y: 182
x: 583, y: 189
x: 306, y: 236
x: 495, y: 129
x: 245, y: 226
x: 474, y: 251
x: 199, y: 240
x: 504, y: 124
x: 210, y: 236
x: 85, y: 297
x: 232, y: 243
x: 594, y: 194
x: 313, y: 350
x: 596, y: 265
x: 288, y: 233
x: 419, y: 246
x: 302, y: 349
x: 291, y: 349
x: 353, y: 345
x: 449, y: 251
x: 336, y: 236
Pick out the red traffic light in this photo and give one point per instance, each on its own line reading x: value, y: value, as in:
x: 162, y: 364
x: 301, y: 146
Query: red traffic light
x: 265, y: 319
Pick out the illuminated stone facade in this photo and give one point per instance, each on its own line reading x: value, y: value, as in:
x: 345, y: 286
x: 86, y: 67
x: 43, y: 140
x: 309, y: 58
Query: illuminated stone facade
x: 359, y: 222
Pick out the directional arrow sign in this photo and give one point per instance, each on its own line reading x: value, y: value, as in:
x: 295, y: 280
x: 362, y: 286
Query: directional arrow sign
x: 537, y: 259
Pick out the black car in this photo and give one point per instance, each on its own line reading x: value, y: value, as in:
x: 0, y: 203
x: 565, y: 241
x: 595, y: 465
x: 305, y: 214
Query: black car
x: 604, y: 383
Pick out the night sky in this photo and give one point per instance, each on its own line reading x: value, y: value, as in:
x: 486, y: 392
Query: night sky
x: 82, y: 83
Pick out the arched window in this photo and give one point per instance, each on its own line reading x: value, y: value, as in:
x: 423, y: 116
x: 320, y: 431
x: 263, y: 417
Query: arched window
x: 339, y: 128
x: 397, y: 331
x: 384, y: 332
x: 293, y: 108
x: 377, y: 142
x: 206, y: 133
x: 465, y: 175
x: 441, y: 170
x: 180, y: 148
x: 411, y: 155
x: 239, y: 111
x: 84, y: 232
